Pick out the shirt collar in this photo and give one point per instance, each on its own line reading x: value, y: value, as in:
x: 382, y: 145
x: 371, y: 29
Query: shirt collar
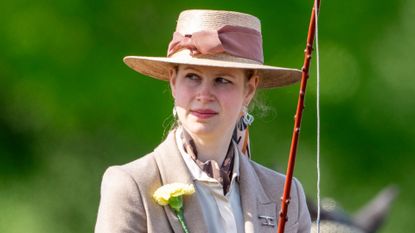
x: 195, y: 170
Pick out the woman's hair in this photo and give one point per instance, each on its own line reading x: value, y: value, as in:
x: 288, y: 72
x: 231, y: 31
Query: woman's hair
x: 256, y: 105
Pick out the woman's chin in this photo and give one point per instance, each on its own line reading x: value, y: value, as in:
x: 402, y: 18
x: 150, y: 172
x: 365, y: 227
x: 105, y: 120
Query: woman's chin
x: 202, y: 130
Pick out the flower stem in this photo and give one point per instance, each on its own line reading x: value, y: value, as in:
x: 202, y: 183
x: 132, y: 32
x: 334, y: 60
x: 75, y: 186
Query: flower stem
x: 180, y: 216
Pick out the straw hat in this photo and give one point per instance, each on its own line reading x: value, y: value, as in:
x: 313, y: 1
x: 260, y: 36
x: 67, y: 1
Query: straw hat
x: 219, y: 39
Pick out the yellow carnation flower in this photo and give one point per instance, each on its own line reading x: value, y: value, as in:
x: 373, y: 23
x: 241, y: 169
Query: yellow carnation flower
x: 172, y: 195
x: 163, y: 194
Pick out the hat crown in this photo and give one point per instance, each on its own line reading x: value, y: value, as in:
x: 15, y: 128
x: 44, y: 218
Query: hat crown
x: 191, y: 21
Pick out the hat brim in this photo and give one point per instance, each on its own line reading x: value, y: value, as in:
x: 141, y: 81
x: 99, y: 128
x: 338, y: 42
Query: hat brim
x: 158, y: 67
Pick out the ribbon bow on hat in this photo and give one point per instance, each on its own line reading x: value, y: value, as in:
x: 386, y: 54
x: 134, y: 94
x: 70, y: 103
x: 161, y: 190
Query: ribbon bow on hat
x: 235, y: 40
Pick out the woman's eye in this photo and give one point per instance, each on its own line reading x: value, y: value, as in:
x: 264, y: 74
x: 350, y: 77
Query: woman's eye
x: 192, y: 76
x: 221, y: 80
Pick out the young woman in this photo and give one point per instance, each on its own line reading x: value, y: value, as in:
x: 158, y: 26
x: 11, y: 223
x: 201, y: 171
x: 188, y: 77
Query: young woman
x: 214, y: 66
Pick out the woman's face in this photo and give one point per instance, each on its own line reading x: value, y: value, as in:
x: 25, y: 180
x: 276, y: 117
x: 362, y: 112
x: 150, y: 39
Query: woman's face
x: 209, y: 100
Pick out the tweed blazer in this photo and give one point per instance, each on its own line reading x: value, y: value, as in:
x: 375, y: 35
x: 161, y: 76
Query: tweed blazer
x: 127, y: 206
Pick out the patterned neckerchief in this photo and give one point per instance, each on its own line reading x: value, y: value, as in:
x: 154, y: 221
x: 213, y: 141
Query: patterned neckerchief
x: 223, y: 173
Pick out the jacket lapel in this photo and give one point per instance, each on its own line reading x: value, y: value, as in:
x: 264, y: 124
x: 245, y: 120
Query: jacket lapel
x: 260, y: 212
x: 174, y: 170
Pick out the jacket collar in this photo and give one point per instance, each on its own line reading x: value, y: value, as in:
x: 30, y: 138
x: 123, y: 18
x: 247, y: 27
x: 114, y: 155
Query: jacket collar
x: 173, y: 169
x: 255, y: 202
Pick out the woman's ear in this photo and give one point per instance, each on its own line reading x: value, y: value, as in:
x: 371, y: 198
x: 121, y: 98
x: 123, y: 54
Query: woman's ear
x: 251, y: 87
x: 172, y: 80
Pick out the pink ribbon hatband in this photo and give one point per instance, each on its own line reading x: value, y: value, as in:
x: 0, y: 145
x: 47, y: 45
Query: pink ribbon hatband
x: 235, y: 40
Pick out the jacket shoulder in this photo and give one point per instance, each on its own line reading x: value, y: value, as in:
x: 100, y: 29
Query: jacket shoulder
x: 142, y: 171
x: 268, y: 177
x: 275, y: 181
x: 124, y: 195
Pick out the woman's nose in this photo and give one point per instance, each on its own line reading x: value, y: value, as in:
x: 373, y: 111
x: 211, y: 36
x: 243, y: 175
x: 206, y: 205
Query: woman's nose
x: 205, y: 92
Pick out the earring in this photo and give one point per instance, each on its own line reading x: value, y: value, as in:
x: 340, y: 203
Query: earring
x: 174, y: 112
x: 176, y: 121
x: 247, y: 117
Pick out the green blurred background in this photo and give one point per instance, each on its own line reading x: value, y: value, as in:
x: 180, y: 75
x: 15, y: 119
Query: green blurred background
x: 69, y: 107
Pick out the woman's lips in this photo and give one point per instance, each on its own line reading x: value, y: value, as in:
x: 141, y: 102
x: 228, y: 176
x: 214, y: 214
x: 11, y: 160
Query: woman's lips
x: 203, y: 113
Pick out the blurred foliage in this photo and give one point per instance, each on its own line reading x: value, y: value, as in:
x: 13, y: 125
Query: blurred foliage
x: 69, y: 107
